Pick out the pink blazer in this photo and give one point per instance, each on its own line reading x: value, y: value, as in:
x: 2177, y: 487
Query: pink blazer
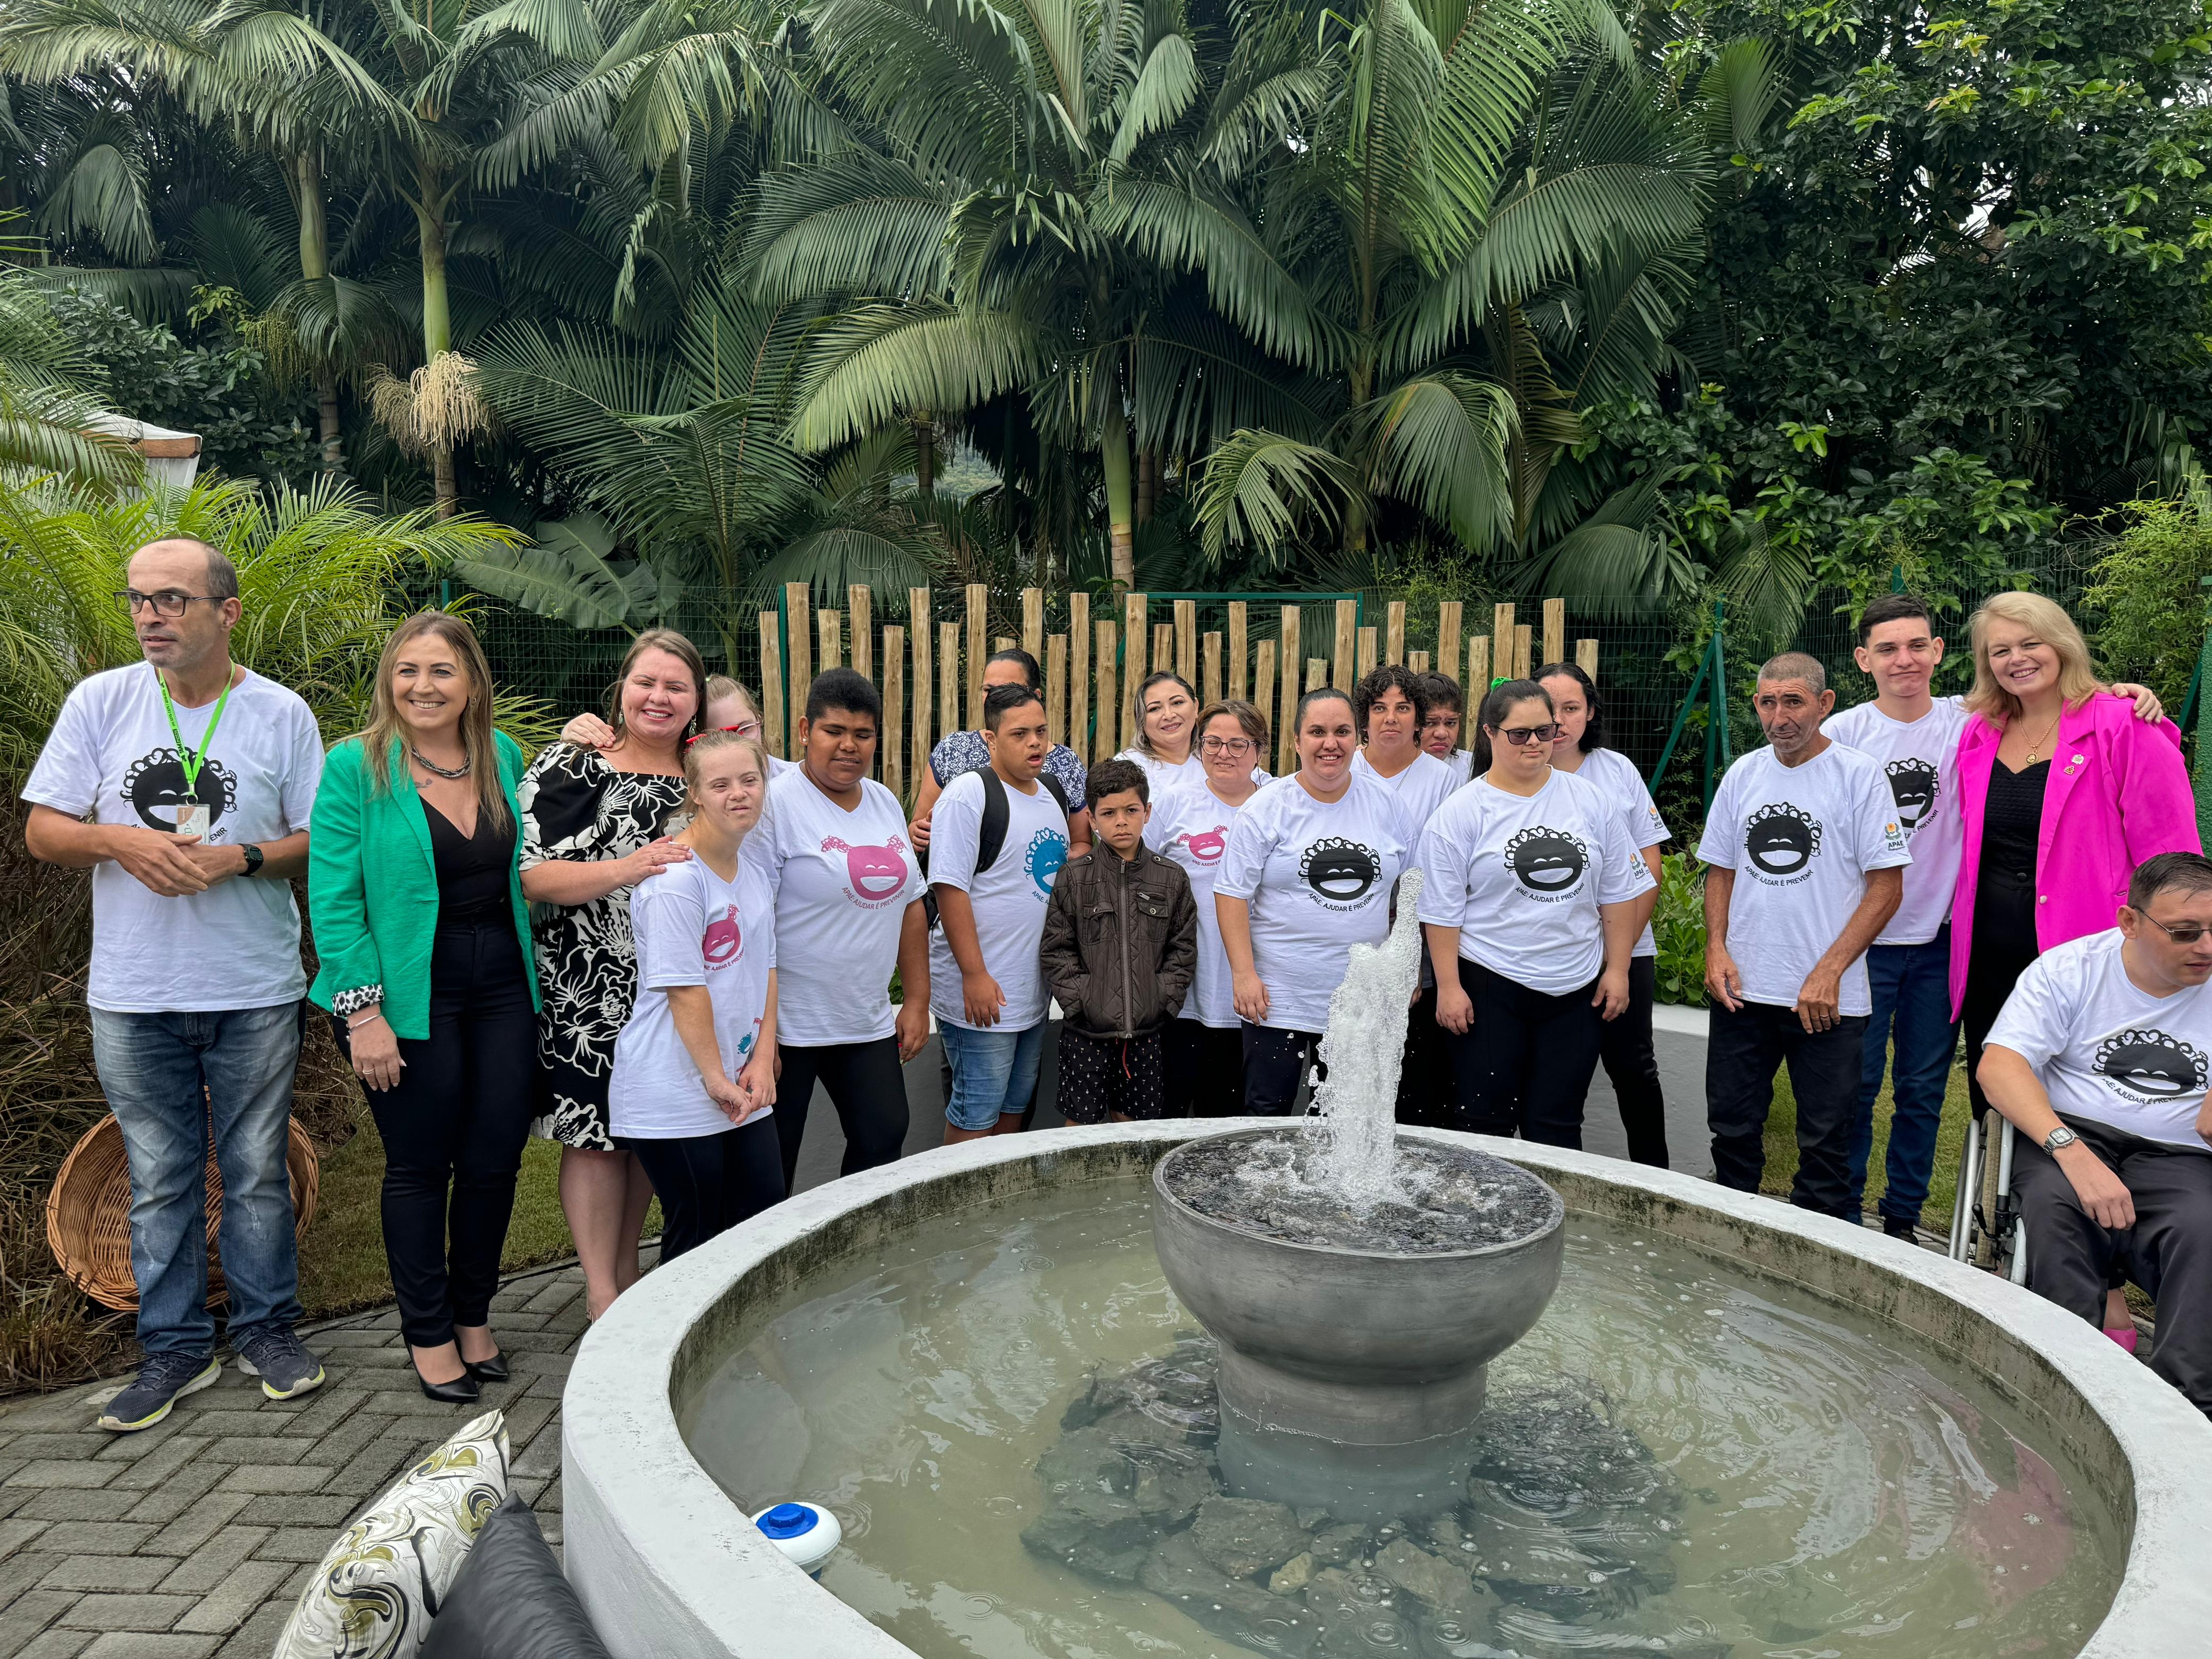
x: 2118, y: 794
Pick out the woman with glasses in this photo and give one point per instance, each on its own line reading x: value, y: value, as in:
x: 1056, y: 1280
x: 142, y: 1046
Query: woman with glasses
x: 1204, y: 1054
x: 1529, y: 907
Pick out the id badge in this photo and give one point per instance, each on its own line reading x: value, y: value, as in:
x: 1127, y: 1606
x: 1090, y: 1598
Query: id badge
x: 192, y: 820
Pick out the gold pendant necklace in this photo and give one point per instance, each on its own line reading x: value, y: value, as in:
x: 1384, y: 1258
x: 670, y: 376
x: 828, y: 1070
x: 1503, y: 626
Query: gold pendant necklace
x: 2036, y: 747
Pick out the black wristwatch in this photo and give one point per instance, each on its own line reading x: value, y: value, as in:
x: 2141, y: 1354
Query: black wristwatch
x: 253, y: 859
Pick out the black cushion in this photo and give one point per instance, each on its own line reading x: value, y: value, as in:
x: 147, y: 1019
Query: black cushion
x: 510, y: 1601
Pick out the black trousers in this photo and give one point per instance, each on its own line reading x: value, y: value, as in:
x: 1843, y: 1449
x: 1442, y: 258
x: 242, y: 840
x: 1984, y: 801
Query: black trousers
x: 454, y: 1129
x: 1747, y: 1047
x: 2071, y: 1259
x: 1274, y: 1065
x: 1106, y: 1077
x: 1205, y: 1069
x: 707, y: 1184
x: 1428, y: 1086
x: 1633, y: 1066
x: 2003, y: 944
x: 867, y: 1084
x: 1525, y: 1062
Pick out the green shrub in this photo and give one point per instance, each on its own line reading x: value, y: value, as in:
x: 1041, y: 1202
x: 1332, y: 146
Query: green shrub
x: 2151, y: 620
x: 1678, y: 927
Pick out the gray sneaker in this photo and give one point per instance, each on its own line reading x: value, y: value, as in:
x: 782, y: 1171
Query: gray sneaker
x: 283, y: 1362
x: 163, y: 1380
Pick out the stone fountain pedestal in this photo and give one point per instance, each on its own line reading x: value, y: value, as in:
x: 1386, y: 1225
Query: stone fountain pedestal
x: 1349, y: 1377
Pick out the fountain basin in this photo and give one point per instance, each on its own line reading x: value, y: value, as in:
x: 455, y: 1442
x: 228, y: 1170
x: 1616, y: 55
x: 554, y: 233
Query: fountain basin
x: 667, y: 1564
x: 1344, y: 1367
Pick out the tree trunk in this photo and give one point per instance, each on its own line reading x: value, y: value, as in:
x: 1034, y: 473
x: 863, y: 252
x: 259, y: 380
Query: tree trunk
x: 326, y: 396
x: 925, y: 455
x: 315, y: 267
x: 437, y: 337
x: 1148, y: 483
x: 1114, y: 455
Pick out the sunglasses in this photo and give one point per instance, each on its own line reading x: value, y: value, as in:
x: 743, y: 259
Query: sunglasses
x: 2178, y: 935
x: 1519, y: 735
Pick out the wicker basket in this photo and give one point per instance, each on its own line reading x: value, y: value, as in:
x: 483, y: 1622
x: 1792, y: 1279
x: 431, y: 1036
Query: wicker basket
x: 88, y: 1213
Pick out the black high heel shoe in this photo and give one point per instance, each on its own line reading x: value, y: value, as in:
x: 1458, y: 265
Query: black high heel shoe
x: 493, y: 1370
x: 461, y: 1391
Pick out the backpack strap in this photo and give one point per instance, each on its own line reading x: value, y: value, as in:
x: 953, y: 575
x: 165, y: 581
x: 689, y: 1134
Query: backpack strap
x: 1052, y: 784
x: 991, y: 838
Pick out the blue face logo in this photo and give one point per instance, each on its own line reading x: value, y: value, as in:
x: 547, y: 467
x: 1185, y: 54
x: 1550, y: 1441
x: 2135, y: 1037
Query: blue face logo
x: 1048, y: 852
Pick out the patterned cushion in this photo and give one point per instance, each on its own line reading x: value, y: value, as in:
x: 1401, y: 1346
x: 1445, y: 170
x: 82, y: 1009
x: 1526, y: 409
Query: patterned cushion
x: 381, y: 1584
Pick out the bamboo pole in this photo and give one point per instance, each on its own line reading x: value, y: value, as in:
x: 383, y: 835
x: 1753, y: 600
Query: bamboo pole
x: 1055, y: 689
x: 1263, y: 676
x: 894, y: 710
x: 1239, y: 638
x: 1079, y: 675
x: 1099, y: 751
x: 979, y: 610
x: 1136, y: 636
x: 1555, y: 631
x: 1210, y: 684
x: 1284, y: 744
x: 1033, y: 623
x: 829, y: 625
x: 1501, y: 641
x: 1449, y: 624
x: 1185, y: 639
x: 798, y: 672
x: 917, y: 619
x: 1366, y: 664
x: 860, y: 611
x: 1478, y: 671
x: 948, y: 679
x: 772, y: 681
x: 1163, y: 648
x: 1394, y: 637
x: 1347, y: 626
x: 1586, y: 657
x: 1418, y: 661
x: 1524, y: 642
x: 1317, y: 672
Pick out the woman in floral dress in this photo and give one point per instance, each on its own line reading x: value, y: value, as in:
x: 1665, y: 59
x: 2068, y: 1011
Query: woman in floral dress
x: 594, y: 823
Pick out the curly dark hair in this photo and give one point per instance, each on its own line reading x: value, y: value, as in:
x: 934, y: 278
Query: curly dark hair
x: 1111, y: 777
x: 1390, y: 677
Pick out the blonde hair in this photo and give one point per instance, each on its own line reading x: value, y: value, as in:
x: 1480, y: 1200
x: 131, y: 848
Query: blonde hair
x: 719, y: 686
x: 385, y: 728
x: 2077, y: 676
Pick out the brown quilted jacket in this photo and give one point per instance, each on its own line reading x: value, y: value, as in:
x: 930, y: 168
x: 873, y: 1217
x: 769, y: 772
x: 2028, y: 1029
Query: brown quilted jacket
x: 1120, y: 942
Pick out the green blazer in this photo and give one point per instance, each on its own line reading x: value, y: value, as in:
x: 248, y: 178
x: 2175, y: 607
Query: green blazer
x: 373, y: 888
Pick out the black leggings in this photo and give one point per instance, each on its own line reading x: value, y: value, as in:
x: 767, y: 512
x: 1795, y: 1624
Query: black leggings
x: 1526, y: 1061
x: 2003, y: 944
x: 1205, y: 1070
x: 1427, y: 1090
x: 1633, y: 1066
x: 707, y: 1184
x: 454, y: 1129
x: 867, y: 1086
x: 1274, y: 1063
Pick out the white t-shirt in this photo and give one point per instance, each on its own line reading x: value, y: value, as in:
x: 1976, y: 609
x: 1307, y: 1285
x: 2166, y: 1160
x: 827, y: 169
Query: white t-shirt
x: 2107, y: 1050
x: 1164, y: 777
x: 842, y: 882
x: 110, y: 753
x: 692, y: 928
x: 1801, y: 840
x: 1521, y: 879
x: 1009, y: 899
x: 1919, y: 761
x: 1191, y: 826
x: 1420, y: 788
x: 1318, y: 878
x: 1615, y: 775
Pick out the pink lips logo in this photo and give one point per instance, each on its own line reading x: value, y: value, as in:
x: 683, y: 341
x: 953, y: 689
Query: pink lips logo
x: 1208, y: 844
x: 876, y: 873
x: 721, y: 942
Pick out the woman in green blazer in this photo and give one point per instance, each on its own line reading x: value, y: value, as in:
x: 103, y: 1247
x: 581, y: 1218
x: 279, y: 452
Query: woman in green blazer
x: 424, y: 937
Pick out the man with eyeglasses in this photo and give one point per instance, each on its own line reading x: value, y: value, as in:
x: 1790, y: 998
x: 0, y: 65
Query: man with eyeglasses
x: 1805, y: 864
x: 184, y: 783
x: 2101, y: 1061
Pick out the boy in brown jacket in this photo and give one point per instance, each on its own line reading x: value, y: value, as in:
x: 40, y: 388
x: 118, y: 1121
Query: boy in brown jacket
x: 1120, y: 950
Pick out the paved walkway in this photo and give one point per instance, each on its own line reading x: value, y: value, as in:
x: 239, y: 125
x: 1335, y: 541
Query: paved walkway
x: 192, y: 1539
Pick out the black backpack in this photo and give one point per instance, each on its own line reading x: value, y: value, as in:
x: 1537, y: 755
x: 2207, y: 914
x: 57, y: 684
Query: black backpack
x: 991, y: 837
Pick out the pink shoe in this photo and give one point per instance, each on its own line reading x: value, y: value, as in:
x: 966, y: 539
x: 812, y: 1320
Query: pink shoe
x: 2126, y: 1339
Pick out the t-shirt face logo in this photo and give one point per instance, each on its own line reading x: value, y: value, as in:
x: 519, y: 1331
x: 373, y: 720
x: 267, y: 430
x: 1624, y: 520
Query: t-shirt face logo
x: 1781, y: 839
x: 1913, y: 787
x: 1204, y: 847
x: 155, y: 787
x: 1546, y: 861
x: 875, y: 872
x: 1339, y: 870
x: 1048, y: 852
x: 2151, y: 1065
x: 722, y: 943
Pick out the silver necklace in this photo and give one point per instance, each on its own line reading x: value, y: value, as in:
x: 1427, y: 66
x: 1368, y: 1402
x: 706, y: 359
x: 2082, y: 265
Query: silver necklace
x: 449, y: 773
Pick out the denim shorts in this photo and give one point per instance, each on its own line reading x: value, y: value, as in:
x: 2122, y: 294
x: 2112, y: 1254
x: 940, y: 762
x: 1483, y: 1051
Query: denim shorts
x: 994, y: 1073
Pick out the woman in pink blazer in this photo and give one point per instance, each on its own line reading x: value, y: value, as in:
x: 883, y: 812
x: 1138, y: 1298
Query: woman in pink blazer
x: 2063, y: 791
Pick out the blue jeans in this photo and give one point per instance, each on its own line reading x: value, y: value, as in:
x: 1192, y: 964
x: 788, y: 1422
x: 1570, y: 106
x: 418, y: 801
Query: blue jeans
x: 994, y: 1073
x: 1911, y: 995
x: 153, y: 1068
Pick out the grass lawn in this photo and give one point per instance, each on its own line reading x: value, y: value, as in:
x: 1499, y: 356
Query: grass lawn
x: 342, y: 1267
x: 1935, y: 1214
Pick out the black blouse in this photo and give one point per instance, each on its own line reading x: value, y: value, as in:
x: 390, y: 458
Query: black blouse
x: 473, y: 870
x: 2012, y: 825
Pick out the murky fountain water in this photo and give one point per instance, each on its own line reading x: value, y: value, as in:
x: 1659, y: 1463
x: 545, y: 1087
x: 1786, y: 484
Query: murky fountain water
x: 1682, y: 1457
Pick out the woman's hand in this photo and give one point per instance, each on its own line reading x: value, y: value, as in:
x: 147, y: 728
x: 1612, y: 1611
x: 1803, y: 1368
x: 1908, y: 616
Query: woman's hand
x: 652, y: 859
x: 1249, y: 996
x: 757, y: 1082
x: 1455, y: 1008
x: 375, y: 1050
x: 588, y: 732
x: 911, y: 1026
x: 1611, y: 997
x: 731, y: 1098
x: 917, y: 834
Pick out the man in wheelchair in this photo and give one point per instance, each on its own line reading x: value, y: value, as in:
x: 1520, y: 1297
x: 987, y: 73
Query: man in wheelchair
x: 2100, y: 1061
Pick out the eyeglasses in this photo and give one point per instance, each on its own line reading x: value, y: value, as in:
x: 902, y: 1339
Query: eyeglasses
x: 1225, y: 745
x: 2178, y: 935
x: 1519, y: 735
x: 169, y: 602
x: 748, y: 729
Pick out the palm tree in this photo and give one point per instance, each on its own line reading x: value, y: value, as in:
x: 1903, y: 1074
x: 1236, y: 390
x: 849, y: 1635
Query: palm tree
x: 48, y: 409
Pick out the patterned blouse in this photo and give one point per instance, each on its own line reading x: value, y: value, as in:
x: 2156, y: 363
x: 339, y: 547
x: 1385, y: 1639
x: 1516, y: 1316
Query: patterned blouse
x: 959, y: 753
x: 577, y: 806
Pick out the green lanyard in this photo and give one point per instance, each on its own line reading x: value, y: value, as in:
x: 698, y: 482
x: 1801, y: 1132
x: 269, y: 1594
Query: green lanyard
x: 188, y: 760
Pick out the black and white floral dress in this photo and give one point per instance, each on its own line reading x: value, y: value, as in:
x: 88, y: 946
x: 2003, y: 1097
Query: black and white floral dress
x: 574, y: 805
